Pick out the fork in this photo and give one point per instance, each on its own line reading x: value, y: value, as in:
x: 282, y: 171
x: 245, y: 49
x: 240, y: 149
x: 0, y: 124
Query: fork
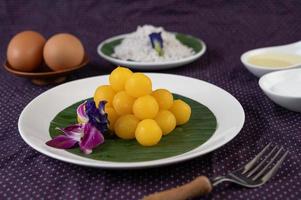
x: 254, y: 174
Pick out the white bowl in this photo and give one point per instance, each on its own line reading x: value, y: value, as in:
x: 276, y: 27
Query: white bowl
x: 284, y: 88
x: 292, y: 49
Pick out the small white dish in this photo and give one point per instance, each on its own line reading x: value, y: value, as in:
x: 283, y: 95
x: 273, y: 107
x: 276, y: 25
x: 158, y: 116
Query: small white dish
x: 284, y: 88
x: 106, y: 48
x: 293, y: 49
x: 35, y: 118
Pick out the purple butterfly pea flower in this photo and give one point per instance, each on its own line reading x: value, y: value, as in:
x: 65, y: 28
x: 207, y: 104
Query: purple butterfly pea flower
x: 157, y: 42
x: 97, y: 116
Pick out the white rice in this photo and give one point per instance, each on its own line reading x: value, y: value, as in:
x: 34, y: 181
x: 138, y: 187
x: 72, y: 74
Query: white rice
x: 136, y: 46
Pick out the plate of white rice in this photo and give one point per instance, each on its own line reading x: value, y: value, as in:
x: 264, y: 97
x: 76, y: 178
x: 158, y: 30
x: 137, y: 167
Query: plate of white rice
x: 134, y: 50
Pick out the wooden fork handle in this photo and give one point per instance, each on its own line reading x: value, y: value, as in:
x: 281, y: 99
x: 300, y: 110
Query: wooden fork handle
x: 199, y: 186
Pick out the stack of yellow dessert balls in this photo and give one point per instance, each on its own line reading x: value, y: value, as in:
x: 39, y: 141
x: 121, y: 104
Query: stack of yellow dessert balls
x: 136, y: 111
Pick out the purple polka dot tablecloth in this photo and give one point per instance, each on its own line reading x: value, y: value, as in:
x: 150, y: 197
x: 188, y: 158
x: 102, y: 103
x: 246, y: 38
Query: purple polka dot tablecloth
x: 228, y: 28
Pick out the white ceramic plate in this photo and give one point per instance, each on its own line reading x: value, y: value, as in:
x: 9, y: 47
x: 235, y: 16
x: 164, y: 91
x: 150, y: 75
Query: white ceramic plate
x: 35, y: 118
x: 111, y: 42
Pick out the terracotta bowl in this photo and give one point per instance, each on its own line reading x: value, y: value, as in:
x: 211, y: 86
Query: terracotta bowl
x: 44, y: 75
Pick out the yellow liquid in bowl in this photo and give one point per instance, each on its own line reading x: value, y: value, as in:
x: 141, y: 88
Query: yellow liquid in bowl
x: 275, y: 60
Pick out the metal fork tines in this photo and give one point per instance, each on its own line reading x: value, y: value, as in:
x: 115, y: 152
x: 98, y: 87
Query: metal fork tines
x: 254, y: 174
x: 257, y: 171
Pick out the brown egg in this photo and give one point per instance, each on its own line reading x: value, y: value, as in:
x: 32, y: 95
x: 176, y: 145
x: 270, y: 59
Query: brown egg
x: 63, y: 51
x: 25, y: 51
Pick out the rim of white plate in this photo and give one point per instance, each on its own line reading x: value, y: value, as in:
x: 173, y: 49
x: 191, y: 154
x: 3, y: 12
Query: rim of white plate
x: 35, y: 133
x: 147, y: 65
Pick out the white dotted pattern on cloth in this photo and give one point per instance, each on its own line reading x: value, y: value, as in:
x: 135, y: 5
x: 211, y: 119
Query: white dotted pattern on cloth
x: 229, y: 30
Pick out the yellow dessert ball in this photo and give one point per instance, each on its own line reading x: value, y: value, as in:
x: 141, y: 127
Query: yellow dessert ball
x: 145, y: 107
x: 138, y: 85
x: 118, y: 77
x: 148, y: 132
x: 163, y: 97
x: 104, y: 93
x: 166, y: 120
x: 125, y: 126
x: 112, y: 117
x: 181, y: 111
x: 123, y: 103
